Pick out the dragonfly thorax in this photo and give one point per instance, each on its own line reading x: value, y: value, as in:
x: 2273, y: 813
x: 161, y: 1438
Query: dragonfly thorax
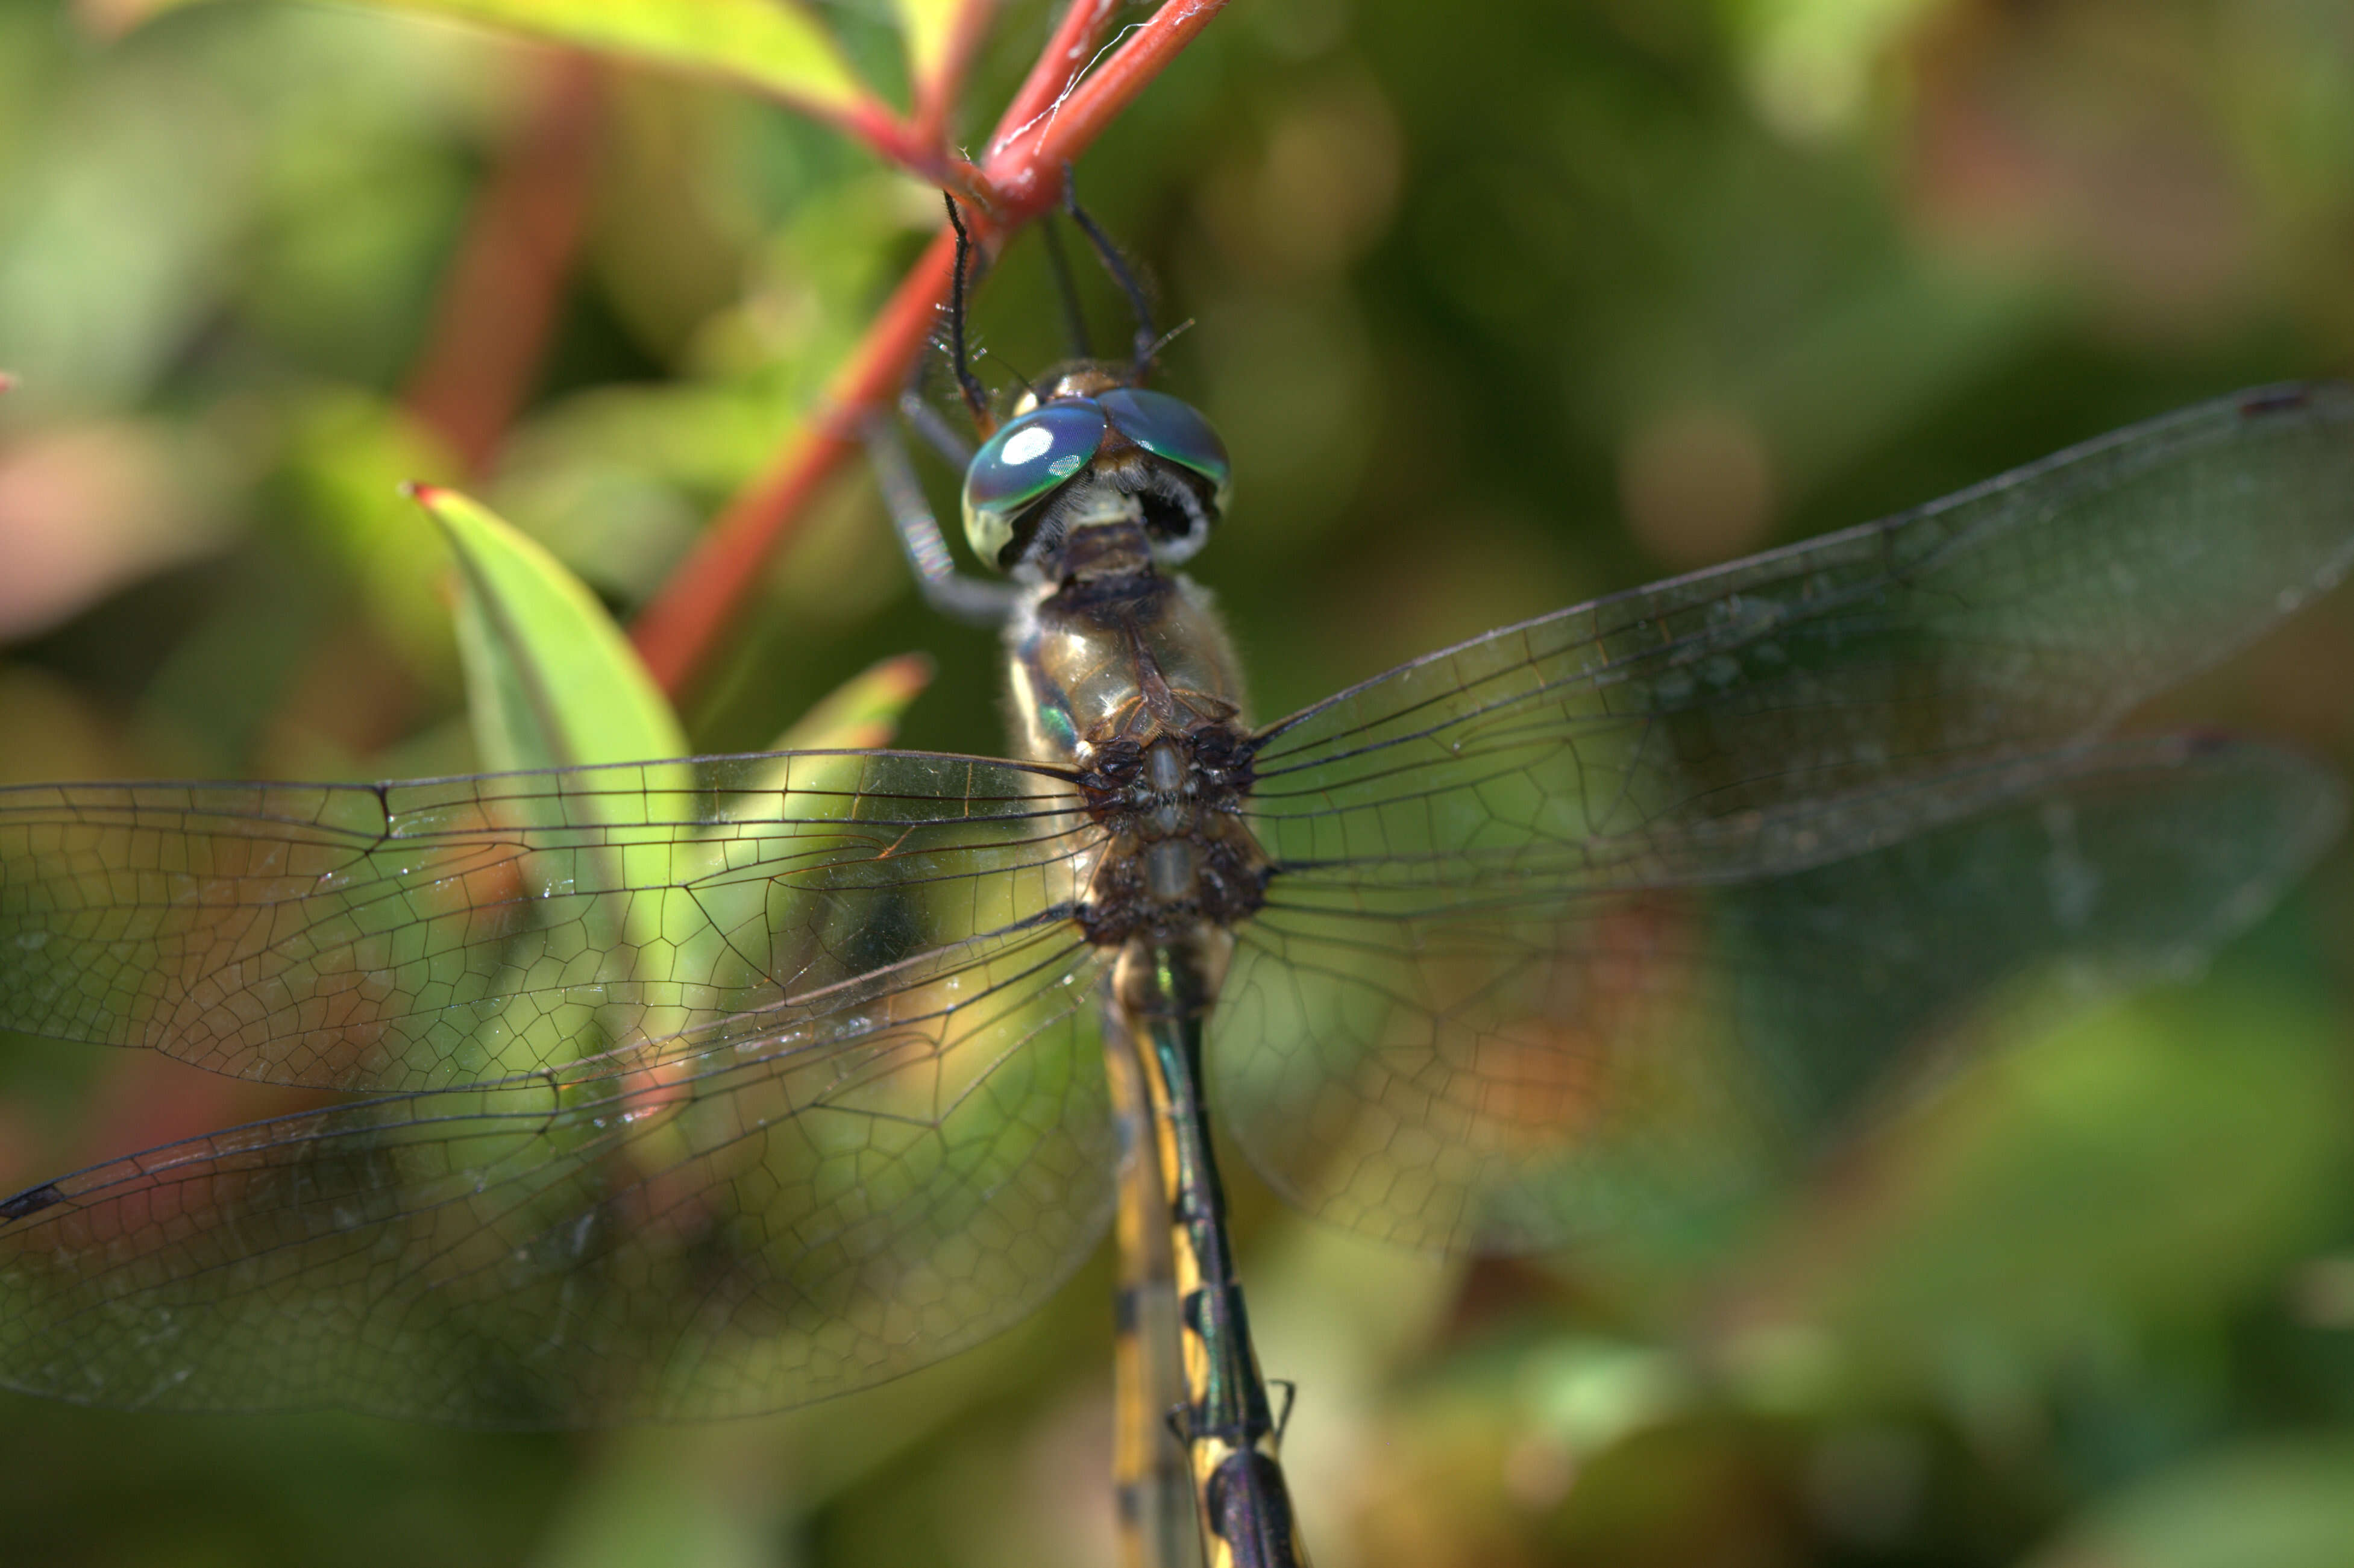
x: 1127, y: 684
x: 1177, y: 862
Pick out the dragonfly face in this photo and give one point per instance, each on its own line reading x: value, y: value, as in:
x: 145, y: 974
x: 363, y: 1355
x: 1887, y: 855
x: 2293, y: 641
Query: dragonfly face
x: 1092, y: 448
x: 695, y: 1091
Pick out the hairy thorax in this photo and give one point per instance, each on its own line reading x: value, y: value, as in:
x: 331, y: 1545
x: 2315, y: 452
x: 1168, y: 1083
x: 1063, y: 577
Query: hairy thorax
x: 1128, y: 682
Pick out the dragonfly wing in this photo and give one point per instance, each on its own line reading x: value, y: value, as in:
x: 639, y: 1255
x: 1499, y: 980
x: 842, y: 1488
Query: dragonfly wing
x: 2029, y: 610
x: 1491, y: 1055
x: 719, y: 1223
x: 425, y: 935
x: 1559, y: 821
x: 724, y: 1085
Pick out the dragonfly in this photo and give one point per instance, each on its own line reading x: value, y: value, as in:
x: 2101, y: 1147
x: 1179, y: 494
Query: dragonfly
x: 699, y: 1088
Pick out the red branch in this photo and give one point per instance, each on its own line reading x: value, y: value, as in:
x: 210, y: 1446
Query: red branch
x: 1067, y: 128
x: 1056, y: 71
x: 680, y: 623
x: 498, y: 302
x: 1048, y: 123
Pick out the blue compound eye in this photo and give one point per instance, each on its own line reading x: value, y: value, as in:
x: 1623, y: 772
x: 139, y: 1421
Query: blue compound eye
x: 1170, y: 427
x: 1025, y: 462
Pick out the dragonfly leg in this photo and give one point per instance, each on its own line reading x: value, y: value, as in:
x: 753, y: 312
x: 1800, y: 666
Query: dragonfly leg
x: 974, y: 600
x: 1147, y: 340
x: 933, y: 425
x: 1067, y: 288
x: 1283, y: 1417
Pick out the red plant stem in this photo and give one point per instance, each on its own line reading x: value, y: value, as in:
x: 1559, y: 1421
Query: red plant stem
x: 1067, y: 129
x: 1058, y: 66
x: 498, y: 301
x: 896, y: 141
x: 676, y: 629
x: 1043, y: 128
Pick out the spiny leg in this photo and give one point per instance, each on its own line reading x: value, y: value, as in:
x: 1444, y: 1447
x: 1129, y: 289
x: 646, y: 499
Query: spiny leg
x: 977, y: 601
x: 1147, y: 341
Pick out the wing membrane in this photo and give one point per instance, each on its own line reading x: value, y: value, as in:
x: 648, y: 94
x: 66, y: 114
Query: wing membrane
x: 1515, y: 1071
x: 702, y: 1089
x: 716, y: 1224
x: 419, y: 935
x: 1494, y: 991
x: 728, y: 1089
x: 2026, y: 611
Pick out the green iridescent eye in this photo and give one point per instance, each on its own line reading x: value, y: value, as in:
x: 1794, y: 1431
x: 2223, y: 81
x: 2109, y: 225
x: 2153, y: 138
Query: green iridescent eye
x: 1021, y: 465
x: 1170, y: 427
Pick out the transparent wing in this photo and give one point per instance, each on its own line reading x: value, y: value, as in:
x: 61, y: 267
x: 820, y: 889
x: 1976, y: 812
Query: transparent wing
x: 1547, y: 789
x: 2031, y: 610
x: 1516, y: 1072
x: 743, y: 1087
x: 420, y: 934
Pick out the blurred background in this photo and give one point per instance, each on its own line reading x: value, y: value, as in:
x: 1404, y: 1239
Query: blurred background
x: 1498, y: 308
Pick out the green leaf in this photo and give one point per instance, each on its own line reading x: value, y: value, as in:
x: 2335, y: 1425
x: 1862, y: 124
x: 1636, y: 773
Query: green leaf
x: 775, y: 46
x: 552, y: 681
x: 927, y: 27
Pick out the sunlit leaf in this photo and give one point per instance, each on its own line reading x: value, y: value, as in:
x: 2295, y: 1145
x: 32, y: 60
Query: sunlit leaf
x: 773, y: 45
x: 552, y: 681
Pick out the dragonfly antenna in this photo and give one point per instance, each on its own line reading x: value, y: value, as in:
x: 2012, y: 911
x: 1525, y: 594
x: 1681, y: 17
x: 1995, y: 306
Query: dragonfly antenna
x: 976, y: 398
x: 1117, y: 267
x: 1027, y: 384
x: 1166, y: 338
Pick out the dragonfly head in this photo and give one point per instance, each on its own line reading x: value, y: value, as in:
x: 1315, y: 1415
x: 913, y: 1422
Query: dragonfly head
x: 1089, y: 452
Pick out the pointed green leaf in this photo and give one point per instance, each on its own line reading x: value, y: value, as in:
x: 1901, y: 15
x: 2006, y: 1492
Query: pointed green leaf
x: 863, y: 712
x: 552, y: 681
x: 775, y: 45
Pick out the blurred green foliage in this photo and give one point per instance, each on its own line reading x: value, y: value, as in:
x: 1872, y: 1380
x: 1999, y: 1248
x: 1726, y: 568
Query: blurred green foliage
x: 1498, y: 308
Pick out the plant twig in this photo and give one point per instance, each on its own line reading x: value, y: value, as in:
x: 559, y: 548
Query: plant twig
x: 1059, y: 63
x: 1050, y: 120
x: 1059, y: 131
x: 679, y: 625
